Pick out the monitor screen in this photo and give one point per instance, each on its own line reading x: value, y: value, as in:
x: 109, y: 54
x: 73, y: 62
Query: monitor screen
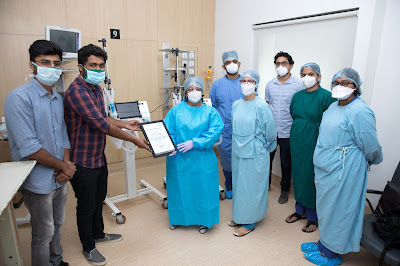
x: 69, y: 41
x: 128, y: 110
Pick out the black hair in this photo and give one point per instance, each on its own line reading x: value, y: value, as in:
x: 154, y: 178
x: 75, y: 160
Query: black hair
x: 88, y: 50
x: 288, y: 56
x: 44, y: 47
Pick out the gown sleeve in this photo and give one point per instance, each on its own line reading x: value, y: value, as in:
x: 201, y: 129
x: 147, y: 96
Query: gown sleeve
x: 269, y: 130
x: 213, y: 96
x: 292, y: 104
x: 208, y: 138
x: 170, y: 123
x: 362, y: 127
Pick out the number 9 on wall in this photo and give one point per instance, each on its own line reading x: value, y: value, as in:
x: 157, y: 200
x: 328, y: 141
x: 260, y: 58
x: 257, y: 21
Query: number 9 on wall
x: 115, y: 34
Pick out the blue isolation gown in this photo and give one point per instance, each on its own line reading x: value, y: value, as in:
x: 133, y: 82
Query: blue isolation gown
x: 192, y: 177
x: 224, y: 92
x: 346, y: 145
x: 253, y: 138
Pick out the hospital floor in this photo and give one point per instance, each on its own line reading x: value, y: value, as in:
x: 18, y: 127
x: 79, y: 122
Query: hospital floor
x: 149, y: 241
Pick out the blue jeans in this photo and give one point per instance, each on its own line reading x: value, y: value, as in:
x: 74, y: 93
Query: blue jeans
x: 47, y: 217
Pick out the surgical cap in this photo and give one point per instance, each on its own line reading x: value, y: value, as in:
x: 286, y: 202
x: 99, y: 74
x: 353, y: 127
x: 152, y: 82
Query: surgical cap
x: 195, y: 81
x: 314, y: 67
x: 230, y: 55
x: 254, y: 75
x: 350, y: 74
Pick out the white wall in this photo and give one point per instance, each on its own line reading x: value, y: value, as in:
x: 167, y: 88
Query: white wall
x: 382, y: 78
x: 376, y: 56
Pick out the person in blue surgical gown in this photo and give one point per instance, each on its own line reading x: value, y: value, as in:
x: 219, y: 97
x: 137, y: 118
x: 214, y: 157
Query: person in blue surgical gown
x: 346, y: 147
x: 192, y: 173
x: 224, y: 92
x: 253, y: 138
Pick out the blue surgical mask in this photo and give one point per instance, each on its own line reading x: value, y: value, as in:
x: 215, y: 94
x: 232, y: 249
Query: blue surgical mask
x: 94, y: 76
x: 47, y: 75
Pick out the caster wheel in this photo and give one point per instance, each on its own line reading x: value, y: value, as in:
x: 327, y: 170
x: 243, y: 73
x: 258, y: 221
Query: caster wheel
x: 165, y: 204
x: 121, y: 219
x: 222, y: 195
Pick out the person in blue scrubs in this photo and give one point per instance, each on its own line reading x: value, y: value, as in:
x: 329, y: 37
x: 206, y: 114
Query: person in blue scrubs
x: 253, y: 138
x: 192, y: 173
x: 347, y: 146
x: 224, y: 92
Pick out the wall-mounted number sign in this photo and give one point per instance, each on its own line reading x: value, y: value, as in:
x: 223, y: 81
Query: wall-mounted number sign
x: 115, y: 34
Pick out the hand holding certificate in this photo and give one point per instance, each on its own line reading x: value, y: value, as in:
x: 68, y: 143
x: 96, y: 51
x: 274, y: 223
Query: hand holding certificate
x: 160, y: 141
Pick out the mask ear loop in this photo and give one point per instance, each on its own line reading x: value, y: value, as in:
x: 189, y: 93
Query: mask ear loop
x: 85, y: 70
x: 33, y: 71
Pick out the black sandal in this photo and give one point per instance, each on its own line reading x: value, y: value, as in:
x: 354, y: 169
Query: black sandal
x: 308, y: 225
x: 295, y: 214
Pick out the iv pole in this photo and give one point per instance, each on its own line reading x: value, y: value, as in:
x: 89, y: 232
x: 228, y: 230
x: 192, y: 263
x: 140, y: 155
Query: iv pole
x: 108, y: 91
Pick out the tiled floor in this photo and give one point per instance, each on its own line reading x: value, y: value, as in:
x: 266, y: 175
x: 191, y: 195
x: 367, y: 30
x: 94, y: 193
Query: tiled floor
x: 149, y: 241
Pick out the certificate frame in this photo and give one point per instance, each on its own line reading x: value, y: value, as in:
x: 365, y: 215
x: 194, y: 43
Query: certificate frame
x: 160, y: 141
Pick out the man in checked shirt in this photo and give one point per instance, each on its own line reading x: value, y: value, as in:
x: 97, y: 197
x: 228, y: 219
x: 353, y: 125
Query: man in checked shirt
x: 87, y: 126
x: 278, y: 94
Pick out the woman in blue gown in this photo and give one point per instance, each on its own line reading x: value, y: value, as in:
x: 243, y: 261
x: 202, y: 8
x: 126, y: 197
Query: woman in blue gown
x: 253, y: 138
x: 346, y: 147
x: 192, y: 173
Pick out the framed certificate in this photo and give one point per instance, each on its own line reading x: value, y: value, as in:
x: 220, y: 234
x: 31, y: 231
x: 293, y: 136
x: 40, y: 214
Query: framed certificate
x: 160, y: 141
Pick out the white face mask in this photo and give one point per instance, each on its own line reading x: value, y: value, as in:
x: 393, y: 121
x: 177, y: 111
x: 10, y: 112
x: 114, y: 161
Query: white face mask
x: 248, y: 89
x: 341, y: 92
x: 282, y: 71
x: 194, y: 96
x: 232, y: 68
x: 47, y: 75
x: 309, y: 81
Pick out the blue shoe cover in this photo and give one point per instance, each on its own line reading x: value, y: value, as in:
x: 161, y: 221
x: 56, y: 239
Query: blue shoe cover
x: 309, y: 247
x: 316, y: 258
x: 228, y: 194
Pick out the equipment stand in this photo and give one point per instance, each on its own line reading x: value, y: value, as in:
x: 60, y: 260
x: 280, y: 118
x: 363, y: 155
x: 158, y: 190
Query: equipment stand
x: 131, y: 190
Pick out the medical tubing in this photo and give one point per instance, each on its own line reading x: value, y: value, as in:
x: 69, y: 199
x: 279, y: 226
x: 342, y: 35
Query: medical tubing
x: 161, y: 104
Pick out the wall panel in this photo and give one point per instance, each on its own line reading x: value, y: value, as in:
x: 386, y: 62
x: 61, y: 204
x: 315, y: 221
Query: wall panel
x: 134, y: 61
x: 25, y: 17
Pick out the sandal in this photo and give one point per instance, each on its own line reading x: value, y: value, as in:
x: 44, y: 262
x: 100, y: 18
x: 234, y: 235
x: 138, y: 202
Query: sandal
x: 295, y: 214
x: 308, y: 225
x: 231, y: 223
x: 239, y: 234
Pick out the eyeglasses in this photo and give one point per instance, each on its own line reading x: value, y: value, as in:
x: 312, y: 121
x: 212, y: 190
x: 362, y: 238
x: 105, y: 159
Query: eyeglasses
x: 281, y: 64
x: 94, y: 65
x: 344, y: 83
x: 248, y: 82
x: 47, y: 63
x: 192, y: 89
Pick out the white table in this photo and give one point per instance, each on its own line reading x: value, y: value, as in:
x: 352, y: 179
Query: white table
x: 12, y: 176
